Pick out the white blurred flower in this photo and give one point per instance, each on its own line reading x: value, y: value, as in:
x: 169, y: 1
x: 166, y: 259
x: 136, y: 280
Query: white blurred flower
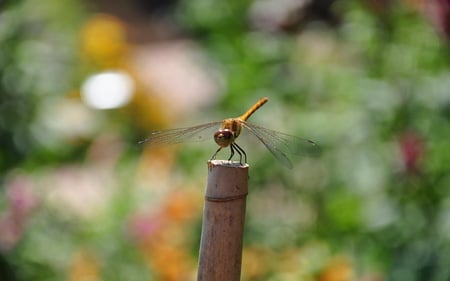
x: 60, y: 120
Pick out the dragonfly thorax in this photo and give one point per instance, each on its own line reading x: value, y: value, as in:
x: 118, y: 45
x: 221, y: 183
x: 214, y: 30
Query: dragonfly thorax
x: 232, y: 124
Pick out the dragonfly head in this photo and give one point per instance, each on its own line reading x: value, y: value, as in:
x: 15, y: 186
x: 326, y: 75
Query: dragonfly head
x: 224, y: 137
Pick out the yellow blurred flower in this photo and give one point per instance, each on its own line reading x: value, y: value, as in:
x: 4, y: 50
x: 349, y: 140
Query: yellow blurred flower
x: 256, y: 263
x: 103, y: 41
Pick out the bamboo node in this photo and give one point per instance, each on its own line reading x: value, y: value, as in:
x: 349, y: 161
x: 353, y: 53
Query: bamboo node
x: 225, y: 199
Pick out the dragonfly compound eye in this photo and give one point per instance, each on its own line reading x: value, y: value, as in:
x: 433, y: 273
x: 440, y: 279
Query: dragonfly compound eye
x: 224, y: 137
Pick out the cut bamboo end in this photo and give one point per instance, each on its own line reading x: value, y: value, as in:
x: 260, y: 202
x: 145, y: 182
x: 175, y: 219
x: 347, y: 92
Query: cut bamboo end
x: 226, y: 163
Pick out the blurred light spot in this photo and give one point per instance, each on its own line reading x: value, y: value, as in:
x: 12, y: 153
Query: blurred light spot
x: 107, y: 90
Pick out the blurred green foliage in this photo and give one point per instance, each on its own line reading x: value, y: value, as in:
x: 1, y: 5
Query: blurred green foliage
x: 372, y: 88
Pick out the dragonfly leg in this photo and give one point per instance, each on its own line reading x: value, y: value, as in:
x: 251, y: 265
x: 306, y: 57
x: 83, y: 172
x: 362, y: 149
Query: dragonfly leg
x: 232, y: 151
x: 241, y: 152
x: 215, y: 154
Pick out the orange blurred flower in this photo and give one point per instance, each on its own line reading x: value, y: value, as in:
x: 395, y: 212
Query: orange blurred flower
x: 171, y: 262
x: 84, y: 267
x: 161, y: 237
x: 339, y: 269
x: 181, y: 207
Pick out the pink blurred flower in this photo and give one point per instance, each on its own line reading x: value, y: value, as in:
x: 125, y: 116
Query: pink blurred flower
x: 142, y: 226
x: 21, y: 202
x: 20, y: 196
x: 437, y: 12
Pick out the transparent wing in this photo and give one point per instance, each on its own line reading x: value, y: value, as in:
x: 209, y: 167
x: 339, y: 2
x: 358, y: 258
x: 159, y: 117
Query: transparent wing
x: 190, y: 134
x: 280, y: 144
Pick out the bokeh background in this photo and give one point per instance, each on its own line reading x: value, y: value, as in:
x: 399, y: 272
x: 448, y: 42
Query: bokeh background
x: 81, y: 82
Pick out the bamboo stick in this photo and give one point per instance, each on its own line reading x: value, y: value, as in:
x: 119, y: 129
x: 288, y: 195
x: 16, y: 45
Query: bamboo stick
x: 223, y: 222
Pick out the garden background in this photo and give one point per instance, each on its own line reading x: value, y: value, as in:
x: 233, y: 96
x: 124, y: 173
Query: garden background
x: 81, y: 82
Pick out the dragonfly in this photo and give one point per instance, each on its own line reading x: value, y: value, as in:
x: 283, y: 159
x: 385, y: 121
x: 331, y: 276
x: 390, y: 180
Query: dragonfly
x: 226, y: 132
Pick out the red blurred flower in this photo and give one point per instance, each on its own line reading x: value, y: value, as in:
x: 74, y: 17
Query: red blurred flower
x: 412, y: 149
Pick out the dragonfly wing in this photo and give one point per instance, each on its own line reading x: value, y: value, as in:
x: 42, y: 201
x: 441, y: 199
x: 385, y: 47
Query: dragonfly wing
x: 189, y: 134
x: 280, y: 144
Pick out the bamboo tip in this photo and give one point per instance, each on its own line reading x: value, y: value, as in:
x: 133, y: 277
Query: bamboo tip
x: 226, y: 163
